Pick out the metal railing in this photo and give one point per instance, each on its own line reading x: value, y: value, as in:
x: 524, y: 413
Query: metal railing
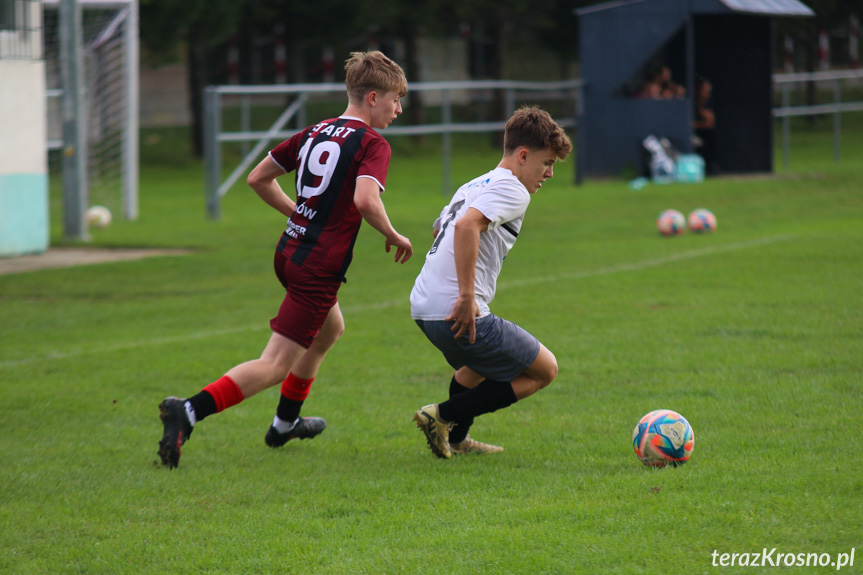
x: 837, y: 107
x: 214, y: 137
x: 571, y: 90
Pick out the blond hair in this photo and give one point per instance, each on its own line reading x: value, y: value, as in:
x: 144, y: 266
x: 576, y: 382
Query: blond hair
x: 368, y: 71
x: 534, y: 128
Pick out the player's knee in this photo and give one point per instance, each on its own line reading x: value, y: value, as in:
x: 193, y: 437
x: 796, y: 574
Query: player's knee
x: 336, y: 333
x: 553, y: 373
x: 550, y: 371
x: 544, y: 369
x: 336, y: 327
x: 328, y: 337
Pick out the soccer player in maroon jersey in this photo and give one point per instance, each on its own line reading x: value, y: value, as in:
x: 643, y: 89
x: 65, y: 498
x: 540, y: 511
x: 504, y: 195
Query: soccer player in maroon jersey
x: 341, y: 168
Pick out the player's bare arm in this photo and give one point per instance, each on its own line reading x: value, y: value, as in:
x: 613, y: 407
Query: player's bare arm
x: 367, y: 198
x: 262, y: 179
x: 466, y: 244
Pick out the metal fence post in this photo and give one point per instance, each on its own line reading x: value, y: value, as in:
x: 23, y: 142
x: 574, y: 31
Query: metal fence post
x: 837, y: 132
x: 510, y: 101
x: 786, y: 126
x: 74, y: 123
x: 245, y: 121
x: 301, y: 113
x: 130, y: 136
x: 212, y: 152
x: 446, y: 119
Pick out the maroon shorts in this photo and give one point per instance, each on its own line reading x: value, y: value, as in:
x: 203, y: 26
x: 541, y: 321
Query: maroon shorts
x: 307, y: 302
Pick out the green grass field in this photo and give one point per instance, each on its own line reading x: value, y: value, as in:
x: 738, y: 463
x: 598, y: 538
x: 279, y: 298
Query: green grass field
x: 754, y: 333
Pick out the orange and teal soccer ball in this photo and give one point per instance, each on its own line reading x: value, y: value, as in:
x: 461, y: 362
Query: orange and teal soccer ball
x: 671, y: 223
x: 702, y: 221
x: 663, y: 437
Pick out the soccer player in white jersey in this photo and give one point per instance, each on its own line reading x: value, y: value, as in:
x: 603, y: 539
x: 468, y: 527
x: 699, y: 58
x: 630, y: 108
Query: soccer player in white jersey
x: 496, y: 362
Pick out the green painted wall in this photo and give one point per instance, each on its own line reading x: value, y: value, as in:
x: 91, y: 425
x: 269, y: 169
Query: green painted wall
x: 23, y: 214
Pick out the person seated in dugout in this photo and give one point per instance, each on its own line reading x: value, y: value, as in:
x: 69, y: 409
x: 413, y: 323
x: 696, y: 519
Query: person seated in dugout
x: 705, y: 124
x: 658, y: 85
x: 670, y: 89
x: 651, y: 89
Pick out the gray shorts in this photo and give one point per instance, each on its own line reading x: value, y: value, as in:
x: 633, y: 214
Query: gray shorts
x: 501, y: 352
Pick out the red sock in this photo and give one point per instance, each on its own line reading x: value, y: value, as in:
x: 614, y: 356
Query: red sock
x: 296, y: 389
x: 225, y: 393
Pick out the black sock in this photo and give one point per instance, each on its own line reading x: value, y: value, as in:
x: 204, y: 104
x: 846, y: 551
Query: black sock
x: 203, y: 404
x: 288, y: 409
x: 461, y: 427
x: 488, y: 396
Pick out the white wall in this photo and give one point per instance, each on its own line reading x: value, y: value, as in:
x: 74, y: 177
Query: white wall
x: 23, y: 158
x: 22, y: 109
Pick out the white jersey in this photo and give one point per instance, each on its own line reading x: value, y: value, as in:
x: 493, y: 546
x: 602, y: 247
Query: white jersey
x: 502, y: 199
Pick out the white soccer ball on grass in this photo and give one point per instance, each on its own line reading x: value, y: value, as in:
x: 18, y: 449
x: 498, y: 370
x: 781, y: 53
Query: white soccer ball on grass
x: 98, y: 217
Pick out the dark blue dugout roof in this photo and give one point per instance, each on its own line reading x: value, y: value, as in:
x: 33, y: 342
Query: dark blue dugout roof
x: 764, y: 7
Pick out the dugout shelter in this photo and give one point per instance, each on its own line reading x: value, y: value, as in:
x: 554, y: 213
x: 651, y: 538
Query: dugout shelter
x: 729, y: 42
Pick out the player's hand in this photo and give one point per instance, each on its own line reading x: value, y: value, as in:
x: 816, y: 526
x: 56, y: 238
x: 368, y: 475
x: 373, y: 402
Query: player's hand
x: 404, y: 249
x: 463, y: 316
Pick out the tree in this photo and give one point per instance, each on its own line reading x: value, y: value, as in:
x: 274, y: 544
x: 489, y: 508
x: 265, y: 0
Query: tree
x: 197, y: 25
x: 307, y: 26
x: 557, y: 29
x: 805, y: 32
x: 405, y: 22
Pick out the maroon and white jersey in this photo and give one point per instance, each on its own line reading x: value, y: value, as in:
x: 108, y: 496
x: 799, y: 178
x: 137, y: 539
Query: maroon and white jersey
x: 328, y: 158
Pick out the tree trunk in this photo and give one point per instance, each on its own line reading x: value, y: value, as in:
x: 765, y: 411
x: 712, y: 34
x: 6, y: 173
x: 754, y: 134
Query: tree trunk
x: 498, y: 51
x: 416, y: 111
x: 811, y: 66
x: 197, y: 71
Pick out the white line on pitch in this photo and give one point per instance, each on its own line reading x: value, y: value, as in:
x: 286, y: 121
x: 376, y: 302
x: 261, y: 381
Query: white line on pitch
x: 636, y: 266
